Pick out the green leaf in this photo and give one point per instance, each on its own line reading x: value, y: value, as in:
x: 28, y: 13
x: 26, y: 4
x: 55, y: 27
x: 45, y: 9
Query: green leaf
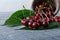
x: 15, y: 19
x: 54, y: 25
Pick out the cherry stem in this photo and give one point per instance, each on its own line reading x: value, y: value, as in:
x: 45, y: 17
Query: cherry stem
x: 44, y: 14
x: 30, y: 13
x: 24, y: 7
x: 23, y: 10
x: 39, y: 12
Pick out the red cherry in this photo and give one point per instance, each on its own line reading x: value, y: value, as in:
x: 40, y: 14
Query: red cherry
x: 48, y: 14
x: 40, y: 6
x: 37, y: 14
x: 24, y: 22
x: 35, y: 25
x: 30, y: 23
x: 45, y: 24
x: 57, y: 20
x: 57, y: 17
x: 51, y: 19
x: 39, y: 20
x: 37, y: 17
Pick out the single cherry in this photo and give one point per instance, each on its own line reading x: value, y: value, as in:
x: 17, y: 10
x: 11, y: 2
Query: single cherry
x: 30, y: 23
x: 37, y: 14
x: 24, y: 22
x: 37, y: 17
x: 48, y: 14
x: 40, y: 6
x: 51, y: 19
x: 45, y: 24
x: 57, y: 20
x: 35, y: 25
x: 39, y: 20
x: 57, y: 17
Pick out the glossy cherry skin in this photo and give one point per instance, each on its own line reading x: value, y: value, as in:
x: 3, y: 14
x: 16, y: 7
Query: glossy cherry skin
x: 48, y: 14
x: 40, y: 6
x: 36, y: 17
x: 57, y: 20
x: 45, y: 24
x: 37, y: 14
x: 24, y: 22
x: 30, y: 23
x: 51, y: 19
x: 57, y: 17
x: 39, y: 20
x: 35, y: 25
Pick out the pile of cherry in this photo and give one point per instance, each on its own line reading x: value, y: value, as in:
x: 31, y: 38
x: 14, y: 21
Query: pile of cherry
x: 40, y: 19
x: 36, y: 21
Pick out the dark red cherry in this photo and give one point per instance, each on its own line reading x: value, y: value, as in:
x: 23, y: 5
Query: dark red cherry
x: 57, y: 17
x: 57, y: 20
x: 48, y: 14
x: 37, y: 17
x: 45, y: 24
x: 30, y: 23
x: 37, y: 14
x: 51, y: 19
x: 39, y: 20
x: 35, y: 25
x: 40, y: 6
x: 24, y: 22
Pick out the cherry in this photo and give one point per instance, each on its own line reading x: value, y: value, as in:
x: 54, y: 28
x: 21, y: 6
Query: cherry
x: 40, y: 6
x: 57, y: 20
x: 39, y: 20
x: 57, y: 17
x: 37, y: 14
x: 24, y: 22
x: 45, y: 24
x: 30, y: 23
x: 37, y: 17
x: 48, y: 14
x: 49, y: 8
x: 51, y: 19
x: 35, y: 25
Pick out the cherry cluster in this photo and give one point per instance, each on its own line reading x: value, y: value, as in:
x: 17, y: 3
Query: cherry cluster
x: 41, y: 18
x: 37, y: 20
